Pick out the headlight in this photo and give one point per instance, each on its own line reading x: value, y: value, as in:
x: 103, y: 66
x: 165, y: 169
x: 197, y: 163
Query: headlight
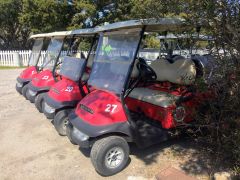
x: 48, y: 108
x: 35, y: 79
x: 32, y: 93
x: 80, y: 135
x: 19, y: 84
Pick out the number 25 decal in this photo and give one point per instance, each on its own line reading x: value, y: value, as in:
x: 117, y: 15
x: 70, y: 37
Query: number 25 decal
x: 110, y: 108
x: 45, y: 77
x: 69, y: 89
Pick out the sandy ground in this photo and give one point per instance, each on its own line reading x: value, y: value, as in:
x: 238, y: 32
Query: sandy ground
x: 30, y: 148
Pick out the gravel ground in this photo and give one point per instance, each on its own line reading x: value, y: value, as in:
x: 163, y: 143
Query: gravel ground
x: 30, y: 148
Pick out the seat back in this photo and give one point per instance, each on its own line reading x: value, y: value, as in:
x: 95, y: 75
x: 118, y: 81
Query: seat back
x: 85, y: 75
x: 206, y: 65
x: 182, y: 71
x: 135, y: 71
x: 72, y: 68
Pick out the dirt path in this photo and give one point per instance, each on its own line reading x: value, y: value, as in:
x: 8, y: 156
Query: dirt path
x: 30, y: 148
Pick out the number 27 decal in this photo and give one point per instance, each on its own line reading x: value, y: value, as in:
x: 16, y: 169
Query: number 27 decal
x: 110, y: 108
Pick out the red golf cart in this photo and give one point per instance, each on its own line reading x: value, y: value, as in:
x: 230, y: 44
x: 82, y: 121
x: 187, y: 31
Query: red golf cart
x: 47, y: 77
x: 33, y: 64
x: 134, y: 102
x: 67, y: 92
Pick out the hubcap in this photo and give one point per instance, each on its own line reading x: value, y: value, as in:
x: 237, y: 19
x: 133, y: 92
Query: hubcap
x: 65, y: 122
x: 114, y: 157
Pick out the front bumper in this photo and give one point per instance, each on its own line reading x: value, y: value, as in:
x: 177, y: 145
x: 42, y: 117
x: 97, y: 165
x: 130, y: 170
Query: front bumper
x: 31, y: 95
x: 48, y: 110
x: 93, y: 131
x: 77, y: 137
x: 19, y: 85
x: 22, y: 82
x: 59, y: 104
x: 38, y: 89
x: 33, y: 90
x: 51, y: 105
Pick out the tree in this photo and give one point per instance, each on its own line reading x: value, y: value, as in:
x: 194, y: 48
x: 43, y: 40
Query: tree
x: 157, y: 9
x: 221, y: 19
x: 19, y: 19
x: 12, y: 32
x: 94, y: 12
x: 82, y: 10
x: 112, y: 11
x: 45, y: 16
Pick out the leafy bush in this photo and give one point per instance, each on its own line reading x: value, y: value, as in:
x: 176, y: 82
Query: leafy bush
x: 219, y: 122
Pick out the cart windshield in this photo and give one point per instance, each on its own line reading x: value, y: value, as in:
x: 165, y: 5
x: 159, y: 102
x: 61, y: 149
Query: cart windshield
x: 115, y: 54
x: 52, y: 53
x: 36, y: 51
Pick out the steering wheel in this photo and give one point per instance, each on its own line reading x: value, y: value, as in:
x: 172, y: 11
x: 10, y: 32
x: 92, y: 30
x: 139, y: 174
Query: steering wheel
x: 146, y: 71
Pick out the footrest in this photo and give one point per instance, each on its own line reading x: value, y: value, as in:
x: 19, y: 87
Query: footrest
x: 149, y: 132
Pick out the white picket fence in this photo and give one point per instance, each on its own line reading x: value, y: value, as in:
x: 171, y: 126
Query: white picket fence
x: 19, y: 58
x: 7, y: 58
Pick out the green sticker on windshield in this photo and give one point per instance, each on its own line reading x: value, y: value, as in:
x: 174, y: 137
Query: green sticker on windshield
x: 107, y: 49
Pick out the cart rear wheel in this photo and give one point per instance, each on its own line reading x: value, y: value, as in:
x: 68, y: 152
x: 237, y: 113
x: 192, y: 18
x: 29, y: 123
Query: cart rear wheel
x: 39, y: 100
x: 110, y: 155
x: 60, y: 121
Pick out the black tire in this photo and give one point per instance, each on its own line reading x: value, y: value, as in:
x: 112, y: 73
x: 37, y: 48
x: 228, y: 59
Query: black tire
x: 111, y: 145
x: 60, y: 121
x: 18, y: 89
x: 69, y: 129
x: 39, y: 100
x: 24, y: 90
x: 29, y: 97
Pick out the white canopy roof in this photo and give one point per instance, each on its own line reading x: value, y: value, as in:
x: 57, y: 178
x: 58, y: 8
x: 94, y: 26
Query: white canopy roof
x: 58, y: 33
x: 86, y: 31
x: 89, y: 31
x: 187, y: 36
x: 42, y: 35
x: 151, y: 25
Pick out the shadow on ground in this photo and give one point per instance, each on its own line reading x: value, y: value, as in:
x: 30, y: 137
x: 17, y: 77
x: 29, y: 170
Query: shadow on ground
x: 195, y: 159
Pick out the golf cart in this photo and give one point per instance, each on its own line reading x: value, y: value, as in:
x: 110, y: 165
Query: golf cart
x: 133, y: 102
x: 184, y: 44
x: 33, y: 63
x: 178, y: 46
x: 47, y: 77
x: 64, y: 95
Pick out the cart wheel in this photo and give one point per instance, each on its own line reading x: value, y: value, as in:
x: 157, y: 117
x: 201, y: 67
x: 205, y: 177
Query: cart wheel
x: 19, y: 89
x: 110, y: 155
x: 24, y: 90
x: 69, y: 129
x: 29, y: 97
x: 39, y: 100
x: 60, y: 121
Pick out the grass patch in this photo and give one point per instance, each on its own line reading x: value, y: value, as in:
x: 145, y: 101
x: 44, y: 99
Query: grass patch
x: 11, y: 67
